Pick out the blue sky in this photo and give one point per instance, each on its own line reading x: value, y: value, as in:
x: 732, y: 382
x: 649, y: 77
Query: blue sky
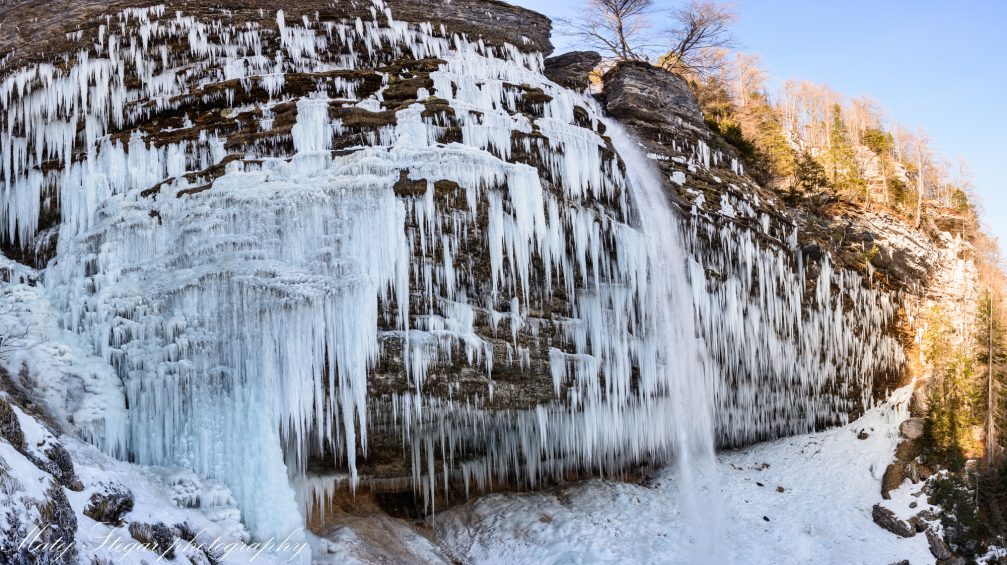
x: 938, y: 64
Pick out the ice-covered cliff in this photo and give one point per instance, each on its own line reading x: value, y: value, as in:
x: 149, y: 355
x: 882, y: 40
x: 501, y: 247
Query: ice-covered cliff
x: 297, y: 249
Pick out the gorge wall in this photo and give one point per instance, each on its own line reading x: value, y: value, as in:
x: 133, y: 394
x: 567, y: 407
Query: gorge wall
x: 298, y: 249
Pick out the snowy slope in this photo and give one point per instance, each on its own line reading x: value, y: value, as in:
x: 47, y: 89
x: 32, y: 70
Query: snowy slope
x: 30, y: 509
x: 830, y: 482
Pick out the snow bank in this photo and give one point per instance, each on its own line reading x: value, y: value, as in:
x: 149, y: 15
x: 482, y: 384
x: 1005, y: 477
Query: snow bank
x: 830, y: 481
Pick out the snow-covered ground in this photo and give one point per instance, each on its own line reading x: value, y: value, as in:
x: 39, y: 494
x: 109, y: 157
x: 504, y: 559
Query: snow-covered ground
x: 804, y: 499
x: 169, y: 496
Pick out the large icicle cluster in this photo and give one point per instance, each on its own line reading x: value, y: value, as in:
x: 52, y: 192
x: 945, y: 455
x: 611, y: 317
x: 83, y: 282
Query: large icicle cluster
x: 239, y: 295
x: 796, y: 344
x: 281, y: 254
x: 788, y: 363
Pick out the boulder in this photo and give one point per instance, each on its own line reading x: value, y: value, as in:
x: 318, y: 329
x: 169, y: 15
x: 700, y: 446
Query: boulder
x: 56, y: 542
x: 917, y: 472
x: 61, y: 467
x: 10, y: 428
x: 893, y: 477
x: 110, y: 504
x: 919, y: 524
x: 911, y: 428
x: 572, y: 69
x: 938, y: 547
x: 639, y: 91
x: 158, y: 538
x: 887, y: 519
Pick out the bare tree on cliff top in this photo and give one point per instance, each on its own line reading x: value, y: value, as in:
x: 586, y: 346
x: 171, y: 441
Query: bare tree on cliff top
x: 694, y: 44
x: 700, y: 27
x: 615, y: 26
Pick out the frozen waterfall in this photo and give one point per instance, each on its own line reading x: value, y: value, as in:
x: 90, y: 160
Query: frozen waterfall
x: 682, y: 362
x: 481, y: 272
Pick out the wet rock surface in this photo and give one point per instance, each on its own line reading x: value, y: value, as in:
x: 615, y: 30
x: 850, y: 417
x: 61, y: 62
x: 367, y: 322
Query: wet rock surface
x: 493, y: 21
x: 728, y: 210
x: 255, y: 119
x: 656, y: 105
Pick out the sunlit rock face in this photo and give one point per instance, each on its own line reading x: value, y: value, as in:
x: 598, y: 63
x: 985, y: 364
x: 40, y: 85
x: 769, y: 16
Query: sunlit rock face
x: 305, y: 248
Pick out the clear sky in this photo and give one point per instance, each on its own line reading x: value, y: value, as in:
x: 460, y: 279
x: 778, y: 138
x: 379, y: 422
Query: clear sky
x: 939, y: 64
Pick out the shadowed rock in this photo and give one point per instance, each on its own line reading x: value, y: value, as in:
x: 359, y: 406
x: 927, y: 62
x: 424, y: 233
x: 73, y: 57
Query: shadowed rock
x: 888, y: 520
x: 938, y: 547
x: 110, y: 505
x: 10, y: 428
x: 572, y: 69
x: 58, y: 525
x: 156, y: 537
x: 61, y: 467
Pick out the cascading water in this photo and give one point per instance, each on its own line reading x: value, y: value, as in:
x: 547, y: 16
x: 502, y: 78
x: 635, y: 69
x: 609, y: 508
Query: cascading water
x: 682, y: 361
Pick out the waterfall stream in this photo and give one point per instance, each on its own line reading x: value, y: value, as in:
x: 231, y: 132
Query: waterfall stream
x: 683, y: 365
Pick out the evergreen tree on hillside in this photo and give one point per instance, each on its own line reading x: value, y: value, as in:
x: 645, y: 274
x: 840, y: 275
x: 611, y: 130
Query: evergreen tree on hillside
x: 762, y: 125
x: 881, y: 143
x: 955, y: 395
x: 809, y: 174
x: 991, y: 356
x: 841, y: 159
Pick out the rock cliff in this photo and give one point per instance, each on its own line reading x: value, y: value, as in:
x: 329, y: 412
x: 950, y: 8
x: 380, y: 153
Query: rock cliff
x: 304, y: 250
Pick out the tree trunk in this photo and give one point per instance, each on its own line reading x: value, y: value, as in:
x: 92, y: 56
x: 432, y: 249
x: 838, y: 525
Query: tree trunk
x: 919, y: 195
x: 622, y: 38
x: 884, y: 180
x: 990, y: 443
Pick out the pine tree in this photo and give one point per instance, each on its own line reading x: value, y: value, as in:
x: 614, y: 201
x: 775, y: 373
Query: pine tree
x: 881, y: 143
x: 842, y: 161
x: 763, y: 126
x: 809, y: 174
x: 991, y: 356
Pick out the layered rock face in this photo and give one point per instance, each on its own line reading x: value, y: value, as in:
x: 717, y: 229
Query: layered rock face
x: 299, y: 248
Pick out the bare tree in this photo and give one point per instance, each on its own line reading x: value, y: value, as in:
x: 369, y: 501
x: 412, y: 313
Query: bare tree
x: 15, y: 335
x: 13, y: 339
x: 923, y: 161
x: 749, y: 77
x: 616, y: 26
x: 699, y: 27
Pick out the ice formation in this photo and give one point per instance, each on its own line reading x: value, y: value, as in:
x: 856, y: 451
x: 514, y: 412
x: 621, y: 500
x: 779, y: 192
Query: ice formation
x: 243, y: 287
